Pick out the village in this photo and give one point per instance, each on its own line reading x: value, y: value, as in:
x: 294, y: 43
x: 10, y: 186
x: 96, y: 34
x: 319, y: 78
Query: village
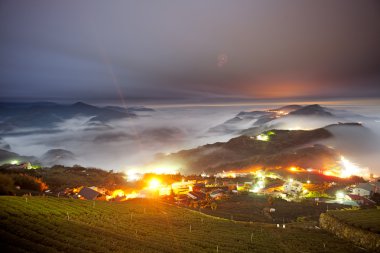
x: 262, y: 194
x: 262, y: 190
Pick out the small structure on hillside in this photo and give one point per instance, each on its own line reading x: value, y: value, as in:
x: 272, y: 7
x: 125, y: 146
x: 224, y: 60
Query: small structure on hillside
x: 292, y: 187
x: 89, y: 193
x: 364, y: 189
x: 217, y: 194
x: 196, y: 195
x: 360, y: 200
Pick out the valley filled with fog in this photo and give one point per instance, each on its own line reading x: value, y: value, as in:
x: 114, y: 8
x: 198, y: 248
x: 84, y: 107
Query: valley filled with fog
x: 132, y: 143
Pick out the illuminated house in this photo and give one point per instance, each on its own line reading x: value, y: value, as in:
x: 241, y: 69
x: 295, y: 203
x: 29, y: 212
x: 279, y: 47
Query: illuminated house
x: 292, y: 187
x: 89, y: 193
x: 217, y: 194
x: 360, y: 200
x: 196, y: 195
x: 364, y: 189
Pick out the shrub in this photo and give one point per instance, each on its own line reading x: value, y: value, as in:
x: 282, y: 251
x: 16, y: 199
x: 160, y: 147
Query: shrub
x: 29, y: 183
x: 6, y: 185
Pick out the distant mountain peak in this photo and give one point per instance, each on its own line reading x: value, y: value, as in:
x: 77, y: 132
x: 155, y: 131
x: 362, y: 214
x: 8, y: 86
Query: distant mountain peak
x: 58, y: 156
x: 287, y: 108
x: 312, y: 110
x: 14, y: 116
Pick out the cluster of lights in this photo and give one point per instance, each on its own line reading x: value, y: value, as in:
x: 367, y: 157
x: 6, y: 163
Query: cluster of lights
x: 340, y: 196
x: 349, y: 168
x: 346, y: 170
x: 14, y: 162
x: 262, y: 137
x: 134, y: 175
x: 260, y: 183
x: 265, y: 136
x: 154, y: 184
x: 120, y: 194
x: 204, y: 175
x: 228, y: 174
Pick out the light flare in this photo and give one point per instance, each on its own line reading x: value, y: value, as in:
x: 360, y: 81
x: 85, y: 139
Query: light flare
x: 154, y: 184
x: 262, y: 137
x: 349, y: 169
x: 118, y: 193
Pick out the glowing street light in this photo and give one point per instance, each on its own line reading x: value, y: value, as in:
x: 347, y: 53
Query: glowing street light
x: 349, y: 168
x: 339, y: 195
x: 14, y: 162
x: 154, y: 184
x: 262, y: 137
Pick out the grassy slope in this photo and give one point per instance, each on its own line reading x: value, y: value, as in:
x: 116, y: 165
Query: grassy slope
x: 41, y: 225
x: 250, y: 208
x: 368, y: 219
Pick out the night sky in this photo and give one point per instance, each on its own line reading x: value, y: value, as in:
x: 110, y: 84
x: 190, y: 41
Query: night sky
x: 104, y: 50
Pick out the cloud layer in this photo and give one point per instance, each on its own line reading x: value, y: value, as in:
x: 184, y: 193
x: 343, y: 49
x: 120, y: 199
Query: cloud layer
x: 133, y: 143
x: 189, y: 49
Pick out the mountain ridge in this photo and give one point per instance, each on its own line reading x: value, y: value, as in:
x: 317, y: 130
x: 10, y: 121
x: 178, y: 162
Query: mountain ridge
x: 270, y: 148
x: 48, y: 114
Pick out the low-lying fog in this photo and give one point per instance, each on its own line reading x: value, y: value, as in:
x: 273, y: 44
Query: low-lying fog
x: 131, y: 143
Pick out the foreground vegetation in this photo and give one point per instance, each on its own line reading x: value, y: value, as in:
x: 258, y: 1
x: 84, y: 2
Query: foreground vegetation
x: 56, y: 178
x: 358, y: 226
x: 48, y: 224
x: 367, y: 219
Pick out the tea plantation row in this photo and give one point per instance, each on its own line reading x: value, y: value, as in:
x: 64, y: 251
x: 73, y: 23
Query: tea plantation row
x: 47, y: 224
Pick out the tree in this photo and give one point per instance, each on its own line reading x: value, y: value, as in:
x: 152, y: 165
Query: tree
x: 29, y: 183
x: 6, y: 185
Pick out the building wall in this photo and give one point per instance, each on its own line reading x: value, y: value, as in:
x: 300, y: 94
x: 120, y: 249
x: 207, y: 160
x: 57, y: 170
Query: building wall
x: 360, y: 192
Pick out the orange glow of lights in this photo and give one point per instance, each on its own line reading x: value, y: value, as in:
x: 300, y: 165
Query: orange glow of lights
x: 118, y: 193
x: 296, y: 169
x: 328, y: 173
x: 132, y: 195
x: 349, y: 168
x: 154, y: 184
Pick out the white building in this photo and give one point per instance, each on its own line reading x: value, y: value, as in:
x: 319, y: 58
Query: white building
x: 292, y: 187
x: 363, y: 189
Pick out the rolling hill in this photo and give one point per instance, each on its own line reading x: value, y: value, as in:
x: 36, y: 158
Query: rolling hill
x: 254, y: 122
x: 46, y: 115
x: 281, y: 148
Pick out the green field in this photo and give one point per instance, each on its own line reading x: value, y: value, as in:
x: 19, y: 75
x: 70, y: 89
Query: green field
x: 42, y: 224
x: 250, y: 208
x: 368, y: 219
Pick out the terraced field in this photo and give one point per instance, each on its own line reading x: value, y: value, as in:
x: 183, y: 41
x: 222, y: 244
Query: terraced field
x: 42, y: 224
x: 368, y: 219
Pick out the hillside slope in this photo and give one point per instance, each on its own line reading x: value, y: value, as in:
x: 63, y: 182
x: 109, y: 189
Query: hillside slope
x: 64, y: 225
x: 280, y: 149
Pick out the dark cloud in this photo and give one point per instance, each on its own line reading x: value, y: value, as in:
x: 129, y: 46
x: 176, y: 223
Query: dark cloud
x: 189, y: 49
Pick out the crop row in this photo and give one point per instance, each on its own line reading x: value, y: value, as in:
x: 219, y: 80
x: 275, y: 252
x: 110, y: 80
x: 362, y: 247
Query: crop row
x: 51, y: 224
